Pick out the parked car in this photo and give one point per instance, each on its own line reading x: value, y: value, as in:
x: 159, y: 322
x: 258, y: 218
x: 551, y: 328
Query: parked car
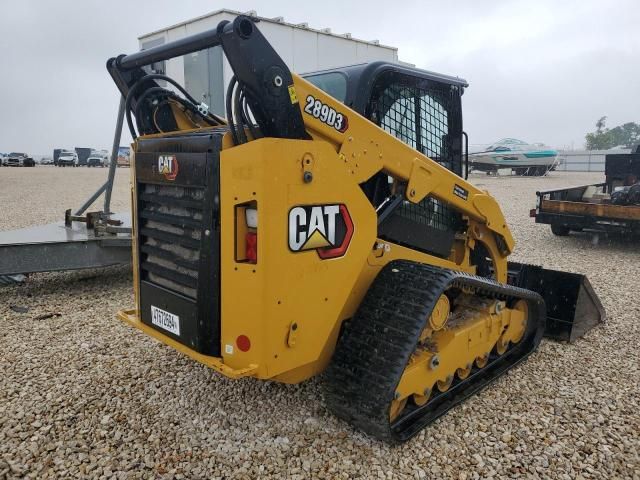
x: 46, y: 161
x: 98, y: 159
x: 68, y: 158
x: 15, y: 159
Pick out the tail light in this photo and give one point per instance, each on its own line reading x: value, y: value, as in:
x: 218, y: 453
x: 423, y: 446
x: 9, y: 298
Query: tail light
x: 251, y: 247
x: 251, y: 239
x: 247, y: 233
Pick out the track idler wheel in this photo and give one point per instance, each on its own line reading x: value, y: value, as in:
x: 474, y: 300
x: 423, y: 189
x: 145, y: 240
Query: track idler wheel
x: 440, y: 313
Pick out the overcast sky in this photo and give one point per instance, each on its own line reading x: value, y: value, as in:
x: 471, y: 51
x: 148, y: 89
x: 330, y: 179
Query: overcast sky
x: 542, y: 71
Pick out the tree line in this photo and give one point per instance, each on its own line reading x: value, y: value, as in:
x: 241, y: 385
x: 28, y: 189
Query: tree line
x: 626, y: 135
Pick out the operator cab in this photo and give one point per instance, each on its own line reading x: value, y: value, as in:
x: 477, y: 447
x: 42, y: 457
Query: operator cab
x: 423, y: 109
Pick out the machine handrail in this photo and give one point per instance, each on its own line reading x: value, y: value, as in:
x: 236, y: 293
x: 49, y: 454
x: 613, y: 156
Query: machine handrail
x: 183, y: 46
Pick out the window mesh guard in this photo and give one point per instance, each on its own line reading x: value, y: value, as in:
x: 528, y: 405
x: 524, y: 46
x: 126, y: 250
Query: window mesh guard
x: 421, y: 114
x: 419, y: 117
x: 431, y: 212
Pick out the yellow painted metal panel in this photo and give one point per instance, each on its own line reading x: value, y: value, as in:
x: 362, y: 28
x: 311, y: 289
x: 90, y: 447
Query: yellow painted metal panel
x: 263, y: 300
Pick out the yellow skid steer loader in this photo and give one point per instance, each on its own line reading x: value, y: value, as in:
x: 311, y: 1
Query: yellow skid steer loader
x: 325, y: 226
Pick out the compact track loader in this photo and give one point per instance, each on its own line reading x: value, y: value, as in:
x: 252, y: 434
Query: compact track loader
x: 325, y: 226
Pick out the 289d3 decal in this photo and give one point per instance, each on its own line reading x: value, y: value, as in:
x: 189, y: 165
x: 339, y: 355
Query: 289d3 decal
x: 326, y: 114
x: 327, y: 229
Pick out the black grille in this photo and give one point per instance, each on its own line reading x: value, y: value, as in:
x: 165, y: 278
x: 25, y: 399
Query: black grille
x: 178, y: 225
x: 170, y: 232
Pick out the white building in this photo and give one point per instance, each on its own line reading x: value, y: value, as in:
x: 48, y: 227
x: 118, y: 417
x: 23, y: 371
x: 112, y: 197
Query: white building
x: 206, y: 74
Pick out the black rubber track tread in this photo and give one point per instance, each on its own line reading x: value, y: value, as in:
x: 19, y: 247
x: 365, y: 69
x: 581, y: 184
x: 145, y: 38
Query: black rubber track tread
x: 376, y: 344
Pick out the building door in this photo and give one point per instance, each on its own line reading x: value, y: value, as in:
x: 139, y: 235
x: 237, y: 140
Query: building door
x: 203, y: 78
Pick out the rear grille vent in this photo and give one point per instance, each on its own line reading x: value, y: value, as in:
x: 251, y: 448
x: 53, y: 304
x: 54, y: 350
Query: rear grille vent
x: 178, y: 236
x: 170, y: 228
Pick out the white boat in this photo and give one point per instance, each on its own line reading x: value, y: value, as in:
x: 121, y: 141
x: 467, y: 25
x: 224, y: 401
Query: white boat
x: 521, y: 157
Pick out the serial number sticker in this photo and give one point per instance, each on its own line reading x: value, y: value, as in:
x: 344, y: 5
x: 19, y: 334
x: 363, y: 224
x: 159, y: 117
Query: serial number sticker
x: 461, y: 192
x: 165, y: 320
x: 326, y: 114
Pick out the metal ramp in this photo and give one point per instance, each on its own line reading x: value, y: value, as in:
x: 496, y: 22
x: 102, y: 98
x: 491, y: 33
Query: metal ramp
x: 56, y: 246
x: 81, y: 240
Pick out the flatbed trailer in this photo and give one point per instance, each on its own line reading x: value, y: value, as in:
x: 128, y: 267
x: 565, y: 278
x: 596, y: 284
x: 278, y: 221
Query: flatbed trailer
x: 590, y: 207
x: 566, y: 210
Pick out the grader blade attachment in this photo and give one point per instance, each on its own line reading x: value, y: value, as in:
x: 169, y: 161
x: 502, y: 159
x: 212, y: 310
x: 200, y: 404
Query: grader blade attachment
x: 573, y: 307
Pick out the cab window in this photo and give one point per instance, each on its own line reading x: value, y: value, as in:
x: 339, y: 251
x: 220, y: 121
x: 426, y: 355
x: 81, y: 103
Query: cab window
x: 333, y: 83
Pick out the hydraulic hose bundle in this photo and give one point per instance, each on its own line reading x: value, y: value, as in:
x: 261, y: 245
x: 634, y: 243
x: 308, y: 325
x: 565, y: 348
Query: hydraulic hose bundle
x: 257, y: 100
x: 149, y: 101
x: 154, y: 98
x: 239, y: 113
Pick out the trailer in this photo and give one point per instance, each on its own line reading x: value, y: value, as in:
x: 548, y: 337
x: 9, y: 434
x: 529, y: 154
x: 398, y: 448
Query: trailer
x: 83, y: 155
x: 607, y: 207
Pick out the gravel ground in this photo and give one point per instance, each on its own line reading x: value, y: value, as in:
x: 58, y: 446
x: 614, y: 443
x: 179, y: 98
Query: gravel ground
x: 82, y: 395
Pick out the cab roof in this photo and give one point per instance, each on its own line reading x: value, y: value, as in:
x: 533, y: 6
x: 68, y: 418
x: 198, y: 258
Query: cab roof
x: 361, y: 77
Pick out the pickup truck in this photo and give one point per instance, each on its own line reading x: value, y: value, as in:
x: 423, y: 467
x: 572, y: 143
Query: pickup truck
x: 15, y: 159
x: 98, y: 159
x: 610, y: 206
x: 68, y: 158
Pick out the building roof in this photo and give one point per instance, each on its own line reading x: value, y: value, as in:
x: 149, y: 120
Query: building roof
x: 275, y: 20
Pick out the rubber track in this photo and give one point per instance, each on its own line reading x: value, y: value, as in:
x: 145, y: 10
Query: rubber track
x: 377, y: 343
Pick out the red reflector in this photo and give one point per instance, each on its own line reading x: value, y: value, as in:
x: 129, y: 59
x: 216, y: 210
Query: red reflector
x: 251, y: 247
x: 532, y: 212
x: 243, y: 343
